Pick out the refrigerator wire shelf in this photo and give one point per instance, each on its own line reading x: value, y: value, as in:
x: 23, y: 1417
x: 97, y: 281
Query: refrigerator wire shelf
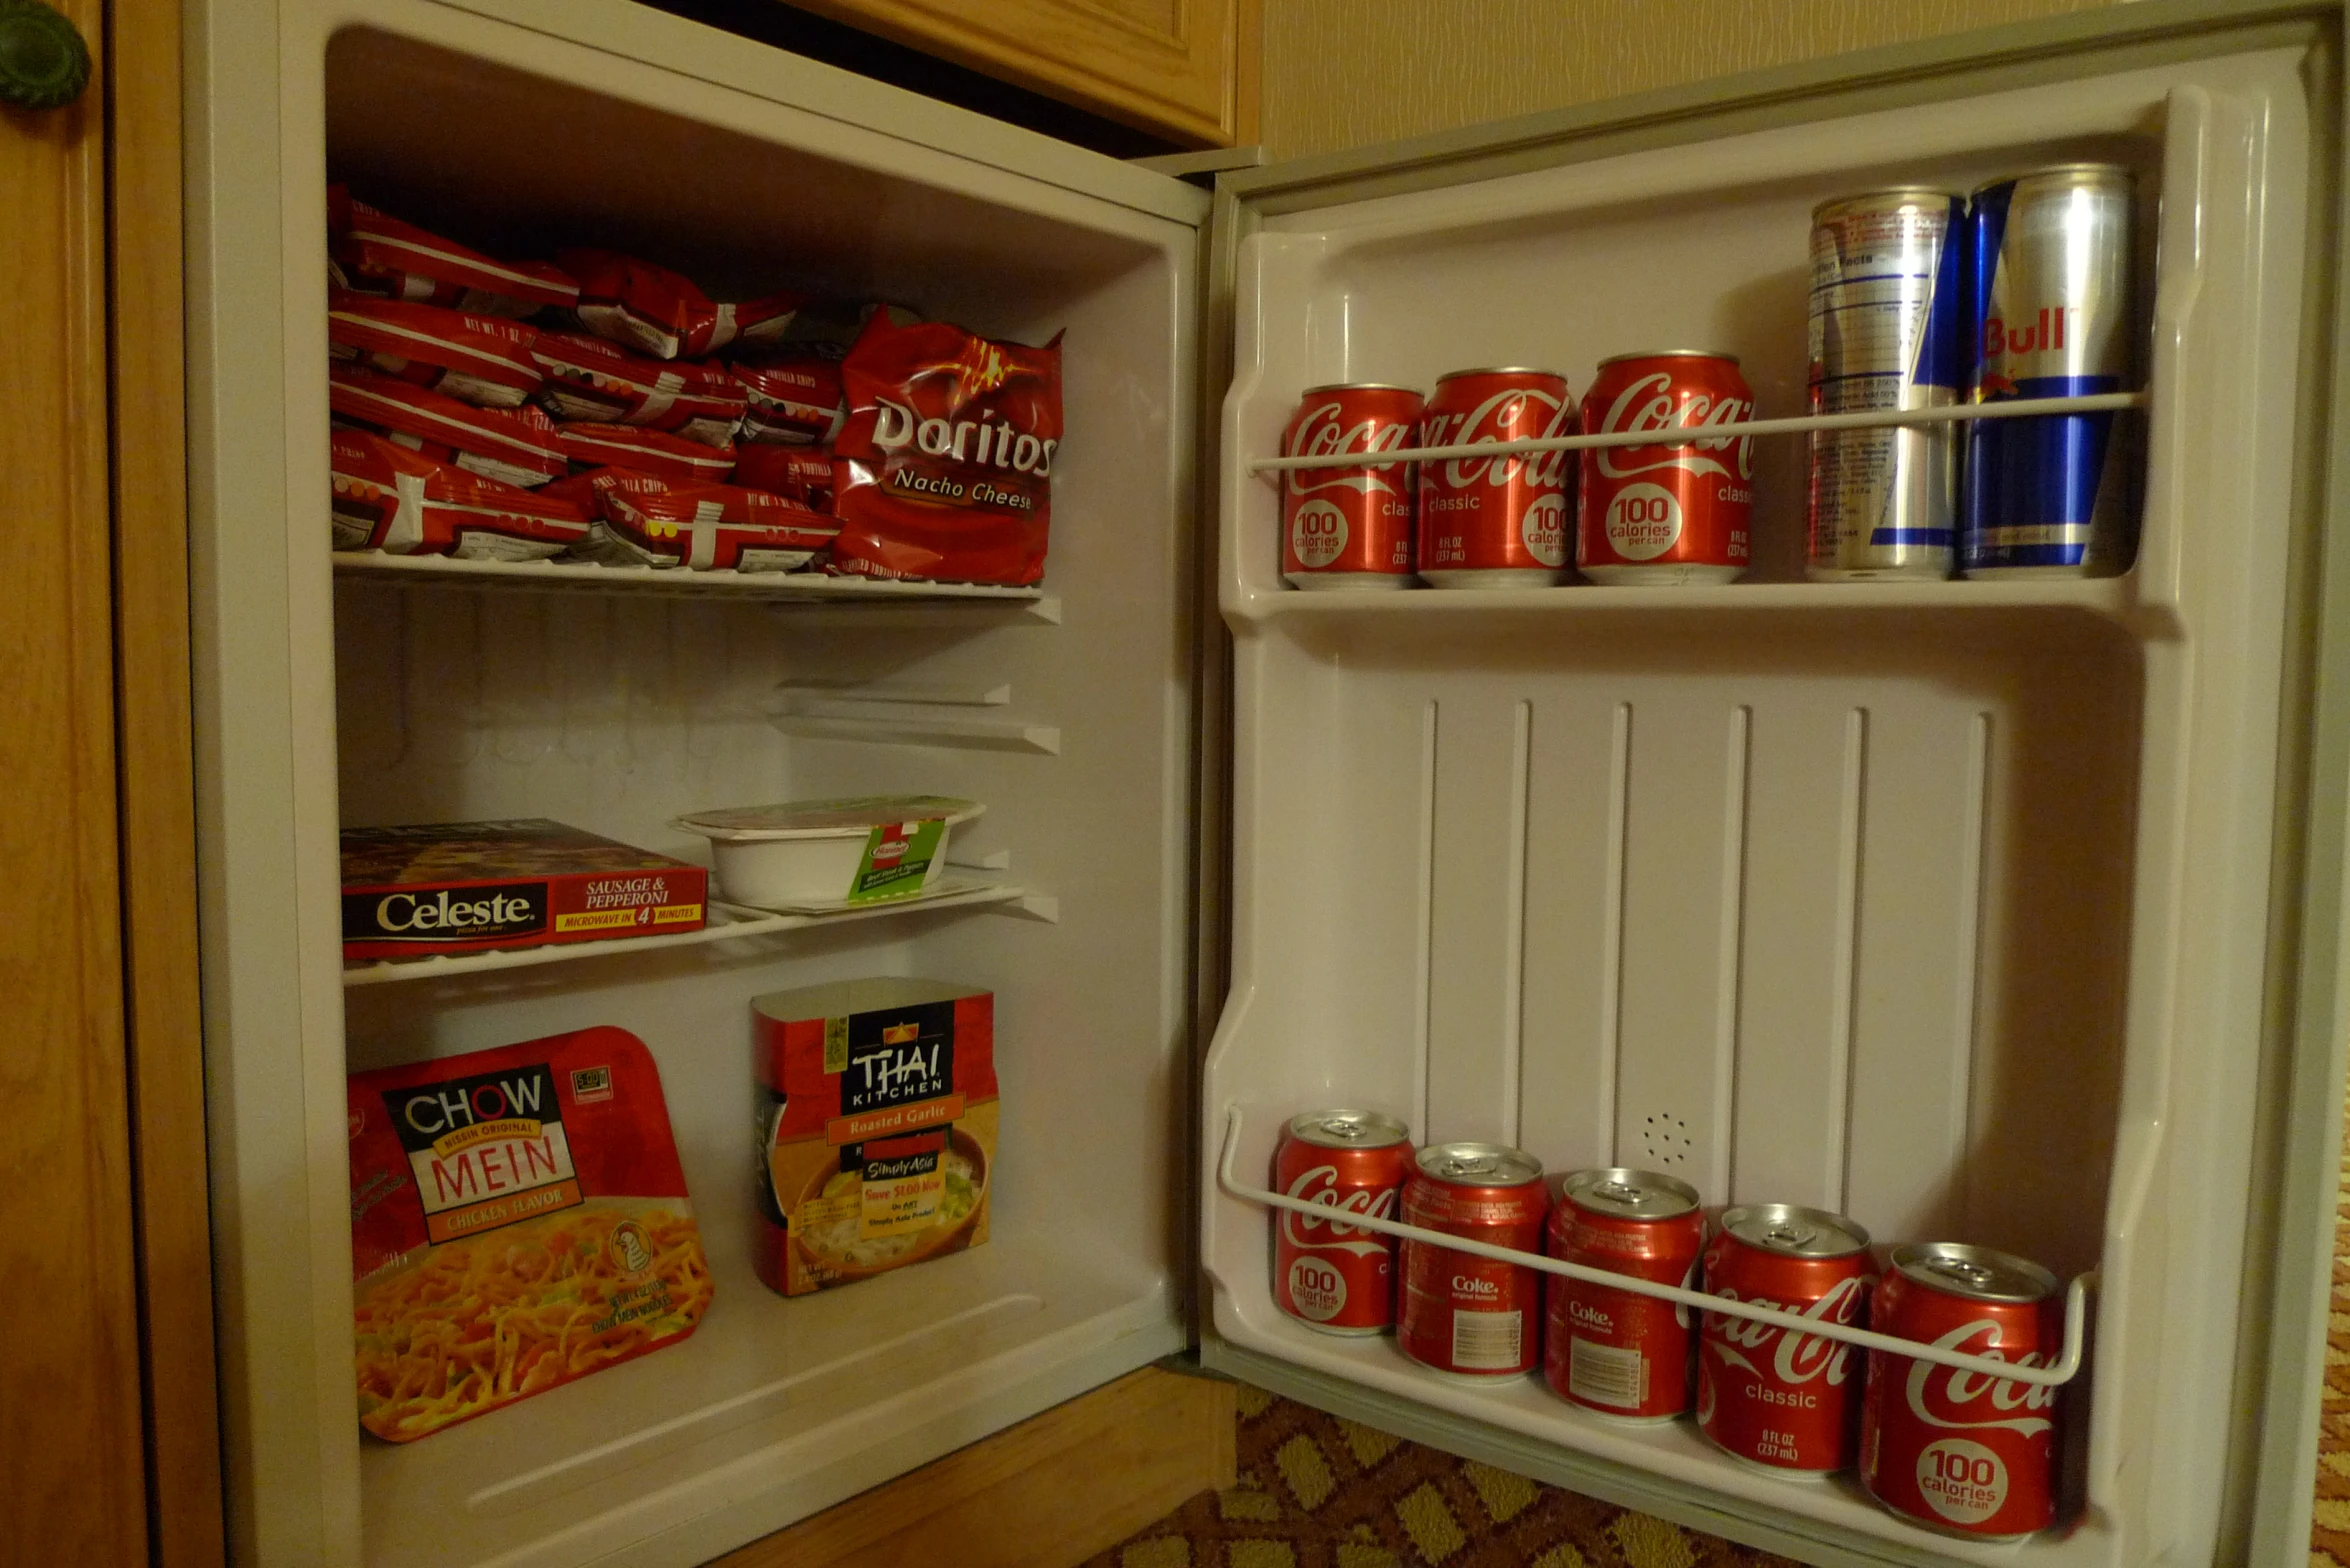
x: 727, y: 922
x: 669, y: 582
x: 1871, y: 419
x: 2059, y: 1372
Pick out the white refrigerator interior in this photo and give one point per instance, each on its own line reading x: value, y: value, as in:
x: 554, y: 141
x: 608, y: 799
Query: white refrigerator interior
x: 1944, y: 905
x: 361, y: 699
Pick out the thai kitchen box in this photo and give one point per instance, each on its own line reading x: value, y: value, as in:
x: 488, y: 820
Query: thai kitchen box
x: 878, y: 1127
x: 463, y: 887
x: 518, y: 1219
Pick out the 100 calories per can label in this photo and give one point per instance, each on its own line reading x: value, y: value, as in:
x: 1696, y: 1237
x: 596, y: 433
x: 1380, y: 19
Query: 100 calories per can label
x: 2050, y: 495
x: 1885, y: 310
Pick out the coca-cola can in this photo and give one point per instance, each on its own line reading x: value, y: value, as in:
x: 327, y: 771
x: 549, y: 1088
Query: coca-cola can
x: 1496, y: 522
x: 1614, y: 1351
x: 1460, y: 1314
x: 1954, y: 1450
x: 1661, y: 515
x: 1785, y: 1401
x: 1338, y: 1278
x: 1349, y: 527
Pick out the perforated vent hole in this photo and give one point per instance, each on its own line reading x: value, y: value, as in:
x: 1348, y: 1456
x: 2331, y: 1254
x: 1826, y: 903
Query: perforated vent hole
x: 1666, y: 1140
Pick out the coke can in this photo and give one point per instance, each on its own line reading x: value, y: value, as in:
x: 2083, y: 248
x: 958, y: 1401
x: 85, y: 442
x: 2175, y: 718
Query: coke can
x: 1950, y: 1449
x: 1613, y: 1351
x: 1462, y: 1315
x: 1349, y: 527
x: 1659, y: 515
x: 1885, y: 314
x: 1337, y: 1278
x: 1495, y: 522
x: 2050, y: 496
x: 1782, y: 1400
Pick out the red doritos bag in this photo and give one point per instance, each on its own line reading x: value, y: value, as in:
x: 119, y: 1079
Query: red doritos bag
x: 482, y: 360
x: 375, y: 253
x: 944, y: 469
x: 659, y: 312
x: 388, y: 497
x: 517, y: 447
x: 591, y: 379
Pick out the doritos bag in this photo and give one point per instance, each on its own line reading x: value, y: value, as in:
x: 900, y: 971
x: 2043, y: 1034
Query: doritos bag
x: 375, y: 253
x: 391, y: 498
x: 656, y: 311
x: 944, y: 469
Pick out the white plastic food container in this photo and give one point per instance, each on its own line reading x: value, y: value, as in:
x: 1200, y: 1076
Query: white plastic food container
x: 821, y: 854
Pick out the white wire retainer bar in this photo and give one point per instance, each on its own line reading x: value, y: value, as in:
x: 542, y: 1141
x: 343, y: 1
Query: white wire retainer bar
x: 1700, y: 435
x: 2061, y: 1371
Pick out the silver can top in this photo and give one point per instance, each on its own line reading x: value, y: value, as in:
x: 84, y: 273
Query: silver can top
x: 1360, y: 386
x: 1893, y: 196
x: 1629, y: 1194
x: 1793, y: 1231
x: 1668, y: 353
x: 1479, y: 1165
x: 1348, y: 1130
x: 1499, y: 370
x: 1952, y: 1268
x: 2065, y: 174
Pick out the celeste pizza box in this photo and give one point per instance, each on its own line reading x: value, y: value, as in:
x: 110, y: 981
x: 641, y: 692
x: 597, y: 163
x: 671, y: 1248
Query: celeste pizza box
x: 467, y: 887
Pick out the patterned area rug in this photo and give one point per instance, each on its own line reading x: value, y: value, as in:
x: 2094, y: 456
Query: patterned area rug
x: 1319, y: 1492
x: 2329, y: 1528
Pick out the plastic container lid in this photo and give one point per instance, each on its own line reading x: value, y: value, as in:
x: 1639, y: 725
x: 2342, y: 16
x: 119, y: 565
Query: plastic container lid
x: 848, y: 816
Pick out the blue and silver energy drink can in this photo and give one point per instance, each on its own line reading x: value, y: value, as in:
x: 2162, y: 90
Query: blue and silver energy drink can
x: 1886, y: 310
x: 2052, y: 318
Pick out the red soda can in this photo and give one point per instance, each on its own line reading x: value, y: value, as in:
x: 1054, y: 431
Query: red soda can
x: 1495, y: 522
x: 1338, y: 1278
x: 1349, y: 527
x: 1950, y: 1449
x: 1783, y: 1400
x: 1613, y: 1351
x: 1659, y: 515
x: 1461, y: 1314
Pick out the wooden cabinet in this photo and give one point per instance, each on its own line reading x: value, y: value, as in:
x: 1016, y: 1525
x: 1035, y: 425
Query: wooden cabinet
x: 1182, y: 69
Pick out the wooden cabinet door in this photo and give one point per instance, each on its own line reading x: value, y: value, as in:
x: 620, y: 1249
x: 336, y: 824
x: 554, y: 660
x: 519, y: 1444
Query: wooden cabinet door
x: 109, y: 1448
x: 1182, y: 69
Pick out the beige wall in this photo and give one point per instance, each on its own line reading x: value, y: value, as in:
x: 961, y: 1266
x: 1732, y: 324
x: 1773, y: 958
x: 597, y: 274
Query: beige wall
x: 1341, y: 73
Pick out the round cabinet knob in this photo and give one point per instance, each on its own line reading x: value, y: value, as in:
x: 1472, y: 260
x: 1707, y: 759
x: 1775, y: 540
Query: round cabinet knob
x: 43, y: 62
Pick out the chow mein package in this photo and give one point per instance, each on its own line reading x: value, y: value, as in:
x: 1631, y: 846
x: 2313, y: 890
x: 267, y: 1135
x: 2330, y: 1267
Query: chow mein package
x: 946, y: 461
x: 389, y: 498
x: 518, y: 1219
x: 482, y: 360
x: 877, y: 1133
x: 656, y: 311
x: 378, y: 254
x: 591, y: 379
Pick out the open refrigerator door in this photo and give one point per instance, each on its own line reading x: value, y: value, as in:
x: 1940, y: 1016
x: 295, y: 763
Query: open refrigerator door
x: 1961, y: 908
x: 344, y: 689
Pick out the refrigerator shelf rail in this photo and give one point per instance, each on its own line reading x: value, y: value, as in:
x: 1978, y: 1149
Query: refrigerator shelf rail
x: 728, y: 923
x: 2057, y: 1373
x: 1871, y: 419
x: 672, y: 582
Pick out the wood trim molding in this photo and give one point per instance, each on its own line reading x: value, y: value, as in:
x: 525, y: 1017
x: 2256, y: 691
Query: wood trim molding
x: 1191, y: 80
x: 69, y: 1382
x: 156, y: 779
x: 1048, y: 1493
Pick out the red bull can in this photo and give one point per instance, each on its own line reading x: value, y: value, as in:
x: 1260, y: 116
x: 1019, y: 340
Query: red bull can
x: 2052, y: 317
x: 1886, y: 307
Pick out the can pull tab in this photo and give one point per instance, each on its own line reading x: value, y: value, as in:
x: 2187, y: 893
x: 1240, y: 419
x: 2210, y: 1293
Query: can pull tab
x: 1972, y: 1275
x: 1619, y: 1191
x: 1792, y: 1238
x: 1467, y: 1166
